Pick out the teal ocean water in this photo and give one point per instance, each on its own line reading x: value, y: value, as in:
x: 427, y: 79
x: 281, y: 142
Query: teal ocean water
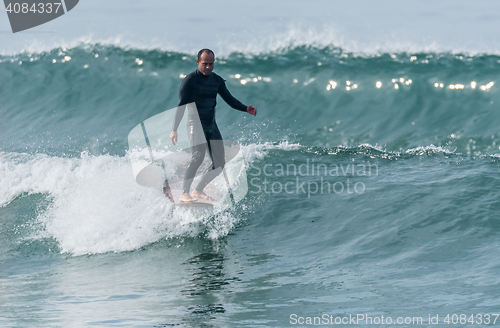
x: 373, y: 191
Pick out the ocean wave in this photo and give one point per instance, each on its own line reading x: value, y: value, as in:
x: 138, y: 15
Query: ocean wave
x: 90, y: 97
x: 95, y: 205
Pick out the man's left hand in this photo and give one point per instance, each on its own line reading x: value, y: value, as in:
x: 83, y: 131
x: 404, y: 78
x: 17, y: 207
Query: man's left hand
x: 252, y: 110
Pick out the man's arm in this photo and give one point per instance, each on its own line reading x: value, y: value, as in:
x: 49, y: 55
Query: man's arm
x: 184, y: 92
x: 233, y: 102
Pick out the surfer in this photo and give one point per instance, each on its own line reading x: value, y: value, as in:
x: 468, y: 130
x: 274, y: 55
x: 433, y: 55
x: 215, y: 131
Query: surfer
x: 202, y: 87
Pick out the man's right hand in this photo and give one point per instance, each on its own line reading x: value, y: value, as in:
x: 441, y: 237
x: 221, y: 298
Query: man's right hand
x: 252, y: 110
x: 173, y: 137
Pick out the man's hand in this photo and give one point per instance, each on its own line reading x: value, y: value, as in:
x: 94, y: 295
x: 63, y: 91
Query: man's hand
x: 252, y: 110
x: 173, y: 137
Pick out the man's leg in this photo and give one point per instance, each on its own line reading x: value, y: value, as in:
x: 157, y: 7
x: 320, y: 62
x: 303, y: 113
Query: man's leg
x: 197, y: 156
x: 216, y: 150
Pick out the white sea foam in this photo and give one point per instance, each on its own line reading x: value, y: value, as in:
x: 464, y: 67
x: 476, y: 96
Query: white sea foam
x: 259, y: 151
x: 427, y: 150
x: 97, y: 207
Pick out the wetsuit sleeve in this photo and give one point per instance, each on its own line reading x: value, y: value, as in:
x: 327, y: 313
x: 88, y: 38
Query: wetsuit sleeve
x: 184, y: 92
x: 229, y: 99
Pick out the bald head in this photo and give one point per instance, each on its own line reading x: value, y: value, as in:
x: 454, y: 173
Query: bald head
x: 203, y: 51
x: 205, y: 61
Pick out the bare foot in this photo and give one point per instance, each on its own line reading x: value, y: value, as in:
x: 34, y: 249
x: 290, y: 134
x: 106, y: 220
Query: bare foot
x: 185, y: 198
x: 201, y: 194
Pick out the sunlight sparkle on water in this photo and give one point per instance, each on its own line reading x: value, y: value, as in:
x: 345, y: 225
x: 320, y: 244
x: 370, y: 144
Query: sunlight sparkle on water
x: 487, y: 86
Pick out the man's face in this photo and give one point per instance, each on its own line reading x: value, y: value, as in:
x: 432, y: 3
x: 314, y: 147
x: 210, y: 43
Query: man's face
x: 206, y: 63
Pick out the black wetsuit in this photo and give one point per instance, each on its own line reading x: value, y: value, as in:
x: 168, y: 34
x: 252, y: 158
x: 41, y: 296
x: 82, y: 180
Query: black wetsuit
x: 203, y: 90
